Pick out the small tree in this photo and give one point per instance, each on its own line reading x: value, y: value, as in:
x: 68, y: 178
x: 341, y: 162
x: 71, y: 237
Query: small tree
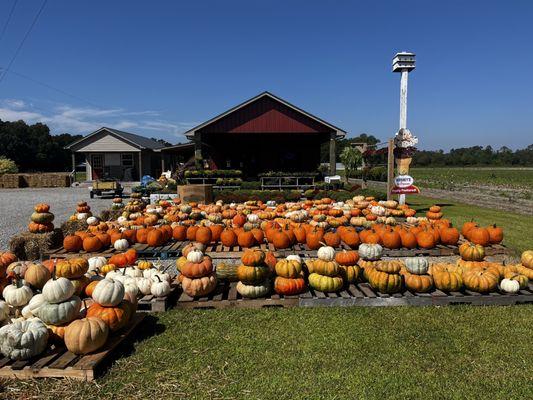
x: 351, y: 159
x: 7, y: 166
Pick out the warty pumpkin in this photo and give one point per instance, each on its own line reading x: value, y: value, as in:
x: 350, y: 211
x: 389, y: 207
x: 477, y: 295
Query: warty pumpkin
x: 418, y: 283
x: 326, y: 284
x: 289, y: 286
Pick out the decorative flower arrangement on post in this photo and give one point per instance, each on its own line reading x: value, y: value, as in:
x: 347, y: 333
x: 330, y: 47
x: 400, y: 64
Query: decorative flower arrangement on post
x: 404, y: 148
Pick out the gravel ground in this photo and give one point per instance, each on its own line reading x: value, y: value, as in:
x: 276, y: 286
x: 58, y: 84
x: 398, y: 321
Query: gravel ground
x: 16, y: 206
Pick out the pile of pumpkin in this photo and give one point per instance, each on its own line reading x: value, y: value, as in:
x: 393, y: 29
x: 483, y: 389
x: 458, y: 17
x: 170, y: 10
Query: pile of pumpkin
x: 45, y: 300
x: 41, y: 219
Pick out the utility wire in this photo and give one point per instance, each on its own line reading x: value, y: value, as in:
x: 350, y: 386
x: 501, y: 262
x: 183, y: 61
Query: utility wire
x: 23, y: 40
x: 8, y: 20
x: 46, y: 85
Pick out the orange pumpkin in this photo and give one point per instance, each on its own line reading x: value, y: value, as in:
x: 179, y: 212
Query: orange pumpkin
x: 203, y: 235
x: 179, y: 233
x: 72, y: 243
x: 228, y: 237
x: 479, y: 236
x: 155, y: 238
x: 92, y: 244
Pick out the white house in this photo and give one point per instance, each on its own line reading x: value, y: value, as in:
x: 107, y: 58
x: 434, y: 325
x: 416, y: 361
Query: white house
x: 116, y: 154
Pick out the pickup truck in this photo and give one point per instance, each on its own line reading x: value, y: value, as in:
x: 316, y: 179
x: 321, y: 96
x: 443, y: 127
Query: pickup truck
x: 106, y: 187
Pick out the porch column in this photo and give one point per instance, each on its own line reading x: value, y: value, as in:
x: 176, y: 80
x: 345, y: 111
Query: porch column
x: 73, y: 167
x: 162, y: 163
x: 198, y: 149
x: 332, y: 158
x: 140, y: 165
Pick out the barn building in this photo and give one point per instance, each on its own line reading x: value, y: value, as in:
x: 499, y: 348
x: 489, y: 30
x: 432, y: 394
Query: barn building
x: 265, y: 133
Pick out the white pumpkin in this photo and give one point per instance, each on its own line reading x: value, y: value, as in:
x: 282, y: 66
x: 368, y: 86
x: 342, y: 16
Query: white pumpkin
x: 195, y: 256
x: 23, y: 339
x: 31, y: 308
x: 144, y: 285
x: 149, y: 273
x: 370, y: 251
x: 96, y: 263
x: 59, y: 313
x: 17, y: 295
x: 509, y: 286
x: 416, y: 265
x: 326, y: 253
x: 131, y: 288
x: 378, y: 210
x: 253, y: 218
x: 294, y: 257
x: 92, y: 221
x: 108, y: 292
x: 83, y: 216
x: 4, y: 310
x: 160, y: 287
x: 121, y: 244
x: 122, y: 220
x: 134, y: 272
x: 163, y: 276
x: 58, y: 290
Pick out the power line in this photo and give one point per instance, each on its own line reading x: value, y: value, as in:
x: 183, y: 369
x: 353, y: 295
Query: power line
x: 23, y: 40
x: 8, y: 20
x: 46, y: 85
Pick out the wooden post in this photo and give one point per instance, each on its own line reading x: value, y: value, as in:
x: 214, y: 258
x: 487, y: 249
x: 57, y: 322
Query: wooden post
x: 390, y: 168
x: 73, y: 167
x: 140, y: 165
x: 332, y: 155
x: 198, y: 149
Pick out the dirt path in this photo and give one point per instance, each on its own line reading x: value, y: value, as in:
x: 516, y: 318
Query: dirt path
x: 469, y: 196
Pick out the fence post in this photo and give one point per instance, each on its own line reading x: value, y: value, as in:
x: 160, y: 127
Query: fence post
x: 390, y: 168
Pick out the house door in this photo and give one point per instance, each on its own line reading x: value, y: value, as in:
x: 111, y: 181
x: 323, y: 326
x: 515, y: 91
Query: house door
x: 97, y: 164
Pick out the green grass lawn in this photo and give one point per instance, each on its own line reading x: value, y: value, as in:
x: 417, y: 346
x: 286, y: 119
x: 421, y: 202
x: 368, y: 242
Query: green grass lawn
x: 517, y: 228
x: 322, y: 353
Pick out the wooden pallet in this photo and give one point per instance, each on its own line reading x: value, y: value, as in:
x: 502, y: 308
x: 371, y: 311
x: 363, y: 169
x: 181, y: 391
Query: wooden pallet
x: 58, y: 362
x: 358, y: 294
x: 226, y: 296
x: 362, y: 294
x: 150, y: 303
x: 220, y: 252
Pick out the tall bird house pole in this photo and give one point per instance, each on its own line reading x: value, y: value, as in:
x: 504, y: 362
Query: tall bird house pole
x: 403, y: 63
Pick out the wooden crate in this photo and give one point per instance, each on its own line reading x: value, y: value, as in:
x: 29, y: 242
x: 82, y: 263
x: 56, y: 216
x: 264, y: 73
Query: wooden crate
x: 226, y: 296
x: 58, y: 362
x: 150, y: 303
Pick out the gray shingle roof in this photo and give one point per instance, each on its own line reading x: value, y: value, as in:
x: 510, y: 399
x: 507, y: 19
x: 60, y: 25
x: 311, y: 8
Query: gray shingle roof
x: 137, y: 140
x: 140, y: 140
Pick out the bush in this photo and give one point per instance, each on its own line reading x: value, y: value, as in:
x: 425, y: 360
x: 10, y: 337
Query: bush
x: 378, y: 174
x: 252, y: 185
x: 240, y: 196
x: 8, y: 166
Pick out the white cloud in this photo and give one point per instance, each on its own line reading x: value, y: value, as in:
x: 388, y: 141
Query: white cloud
x: 83, y: 120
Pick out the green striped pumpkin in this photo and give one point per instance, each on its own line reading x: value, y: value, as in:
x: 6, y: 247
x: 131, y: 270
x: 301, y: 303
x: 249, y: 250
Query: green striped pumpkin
x: 227, y: 272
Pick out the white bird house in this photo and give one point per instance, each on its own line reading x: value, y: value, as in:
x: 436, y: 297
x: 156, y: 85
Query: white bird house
x: 403, y: 62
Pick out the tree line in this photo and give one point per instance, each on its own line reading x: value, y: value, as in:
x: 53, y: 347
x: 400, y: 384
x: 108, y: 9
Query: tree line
x: 460, y: 157
x: 33, y: 148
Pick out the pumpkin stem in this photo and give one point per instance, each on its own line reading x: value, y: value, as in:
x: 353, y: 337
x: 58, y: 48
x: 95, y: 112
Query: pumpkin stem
x: 158, y: 277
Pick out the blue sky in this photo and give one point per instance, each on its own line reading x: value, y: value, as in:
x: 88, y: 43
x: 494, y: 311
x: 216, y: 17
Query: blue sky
x: 158, y: 68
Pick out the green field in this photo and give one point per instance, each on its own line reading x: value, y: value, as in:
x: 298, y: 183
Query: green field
x: 449, y: 178
x: 517, y: 228
x: 322, y: 353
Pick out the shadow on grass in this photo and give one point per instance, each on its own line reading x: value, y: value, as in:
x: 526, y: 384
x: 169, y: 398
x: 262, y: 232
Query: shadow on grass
x: 148, y: 328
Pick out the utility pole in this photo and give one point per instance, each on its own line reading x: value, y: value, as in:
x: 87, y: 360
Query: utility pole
x: 403, y: 63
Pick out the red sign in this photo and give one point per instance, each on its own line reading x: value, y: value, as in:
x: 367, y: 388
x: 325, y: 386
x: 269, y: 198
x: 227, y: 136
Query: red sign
x: 411, y: 189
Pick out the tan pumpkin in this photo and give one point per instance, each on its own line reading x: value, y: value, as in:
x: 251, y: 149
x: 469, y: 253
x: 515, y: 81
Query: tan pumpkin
x: 83, y: 336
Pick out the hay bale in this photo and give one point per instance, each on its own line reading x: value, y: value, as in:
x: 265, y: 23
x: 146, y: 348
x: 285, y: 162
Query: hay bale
x: 11, y: 181
x: 110, y: 215
x: 70, y: 227
x: 32, y: 246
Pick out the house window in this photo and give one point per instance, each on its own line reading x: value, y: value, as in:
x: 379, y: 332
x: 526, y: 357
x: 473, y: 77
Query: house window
x: 126, y: 160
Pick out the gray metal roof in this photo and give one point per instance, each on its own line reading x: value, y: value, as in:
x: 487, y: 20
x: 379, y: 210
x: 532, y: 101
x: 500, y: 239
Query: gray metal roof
x: 136, y: 140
